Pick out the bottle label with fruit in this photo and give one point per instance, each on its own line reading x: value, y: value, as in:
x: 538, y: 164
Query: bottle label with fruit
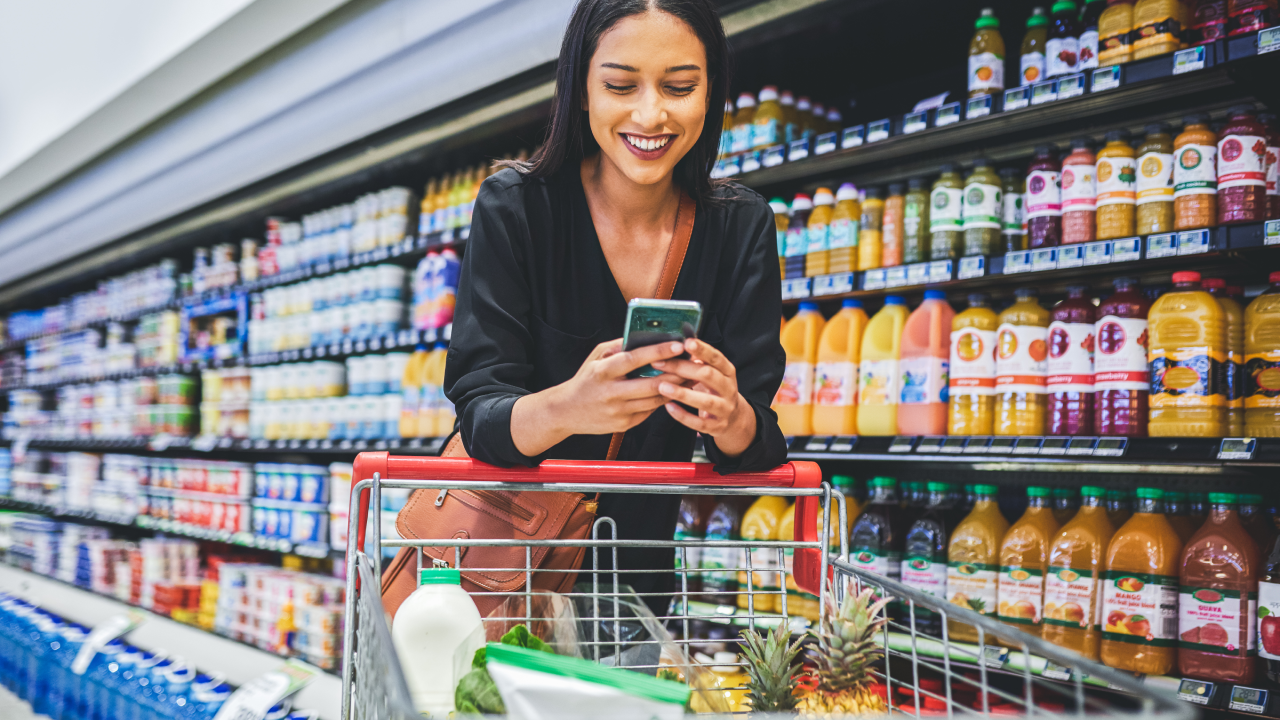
x: 973, y: 586
x: 797, y: 385
x: 878, y: 382
x: 1154, y: 25
x: 928, y: 575
x: 835, y: 384
x: 1088, y: 50
x: 1140, y: 608
x: 1022, y: 352
x: 986, y: 73
x: 1079, y: 188
x: 1071, y: 598
x: 1273, y: 170
x: 719, y: 558
x: 1268, y: 615
x: 983, y: 206
x: 842, y: 233
x: 1242, y: 161
x: 884, y: 564
x: 1032, y: 67
x: 816, y: 238
x: 1120, y: 360
x: 973, y: 362
x: 1187, y: 377
x: 1195, y: 170
x: 1262, y: 379
x: 1117, y: 181
x: 945, y: 211
x: 1155, y: 178
x: 1070, y: 363
x: 1063, y: 56
x: 1021, y: 594
x: 924, y: 380
x: 1044, y: 193
x: 1216, y: 621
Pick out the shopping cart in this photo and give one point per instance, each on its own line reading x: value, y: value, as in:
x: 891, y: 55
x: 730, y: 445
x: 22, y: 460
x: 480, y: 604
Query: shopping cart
x: 922, y: 675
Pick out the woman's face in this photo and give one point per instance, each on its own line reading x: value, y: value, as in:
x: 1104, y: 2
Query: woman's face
x: 647, y: 94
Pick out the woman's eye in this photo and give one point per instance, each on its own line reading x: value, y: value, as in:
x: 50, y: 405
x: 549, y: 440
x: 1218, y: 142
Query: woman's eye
x: 681, y: 89
x: 619, y: 88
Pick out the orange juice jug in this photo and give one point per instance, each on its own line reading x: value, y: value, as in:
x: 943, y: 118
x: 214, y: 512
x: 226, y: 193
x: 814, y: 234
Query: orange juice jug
x: 435, y: 413
x: 1021, y: 366
x: 972, y: 392
x: 1262, y: 363
x: 800, y: 340
x: 1188, y: 343
x: 880, y: 369
x: 781, y: 220
x: 870, y: 239
x: 1157, y: 27
x: 842, y: 233
x: 1140, y: 591
x: 817, y: 254
x: 1233, y: 372
x: 1024, y: 558
x: 926, y: 360
x: 891, y: 227
x: 411, y: 392
x: 1071, y: 608
x: 973, y: 562
x: 761, y: 522
x: 835, y: 377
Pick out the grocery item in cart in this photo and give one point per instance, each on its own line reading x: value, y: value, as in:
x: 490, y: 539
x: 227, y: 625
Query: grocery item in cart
x: 1178, y: 514
x: 1188, y: 346
x: 1242, y: 168
x: 1115, y: 25
x: 1076, y: 557
x: 925, y: 367
x: 1195, y: 174
x: 761, y: 522
x: 1117, y: 187
x: 1033, y: 47
x: 1233, y: 369
x: 1216, y: 600
x: 1024, y: 560
x: 1121, y: 380
x: 891, y: 227
x: 817, y: 257
x: 880, y: 370
x: 1079, y: 193
x: 1022, y: 352
x: 946, y: 214
x: 983, y: 210
x: 971, y: 395
x: 973, y: 561
x: 835, y: 382
x: 1157, y: 26
x: 924, y: 556
x: 1155, y: 181
x: 915, y: 222
x: 878, y: 538
x: 871, y: 231
x: 1062, y: 56
x: 1070, y: 364
x: 842, y: 234
x: 794, y: 397
x: 1262, y: 363
x: 986, y: 56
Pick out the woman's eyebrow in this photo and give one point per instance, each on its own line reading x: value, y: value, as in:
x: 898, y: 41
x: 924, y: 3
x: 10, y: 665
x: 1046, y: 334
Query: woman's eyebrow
x: 678, y: 68
x: 628, y: 68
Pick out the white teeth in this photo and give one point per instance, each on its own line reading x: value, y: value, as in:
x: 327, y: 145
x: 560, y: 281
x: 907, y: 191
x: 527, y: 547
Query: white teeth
x: 648, y: 144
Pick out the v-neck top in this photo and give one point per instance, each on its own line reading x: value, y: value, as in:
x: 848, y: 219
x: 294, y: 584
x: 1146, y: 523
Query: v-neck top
x: 536, y: 296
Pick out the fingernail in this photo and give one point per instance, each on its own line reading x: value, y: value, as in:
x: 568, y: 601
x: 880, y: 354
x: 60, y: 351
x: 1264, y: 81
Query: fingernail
x: 665, y: 387
x: 675, y: 347
x: 691, y: 344
x: 658, y: 363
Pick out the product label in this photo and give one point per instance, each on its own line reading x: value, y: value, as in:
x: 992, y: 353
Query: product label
x: 911, y: 218
x: 924, y: 380
x: 1153, y: 25
x: 797, y: 385
x: 886, y: 565
x: 1021, y: 594
x: 926, y: 575
x: 1022, y: 352
x: 1032, y: 68
x: 1215, y: 621
x: 1088, y: 49
x: 742, y: 137
x: 691, y: 555
x: 973, y: 586
x: 764, y: 134
x: 878, y: 382
x: 1155, y: 178
x: 1195, y: 170
x: 946, y: 209
x: 1070, y: 598
x: 983, y: 206
x: 1140, y: 608
x: 816, y: 237
x: 1262, y: 380
x: 719, y: 558
x: 842, y: 233
x: 1242, y: 161
x: 1120, y: 362
x: 1186, y: 377
x: 1044, y: 193
x: 1063, y: 57
x: 1113, y: 38
x: 1070, y: 363
x: 1268, y: 620
x: 1013, y: 214
x: 973, y: 362
x: 1079, y: 188
x: 835, y: 384
x: 796, y: 243
x: 1273, y: 170
x: 986, y: 73
x: 1117, y: 181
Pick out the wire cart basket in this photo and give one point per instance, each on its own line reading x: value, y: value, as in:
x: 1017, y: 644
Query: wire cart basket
x: 924, y: 673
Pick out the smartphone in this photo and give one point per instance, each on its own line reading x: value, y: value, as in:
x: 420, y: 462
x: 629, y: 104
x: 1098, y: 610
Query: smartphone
x: 650, y: 322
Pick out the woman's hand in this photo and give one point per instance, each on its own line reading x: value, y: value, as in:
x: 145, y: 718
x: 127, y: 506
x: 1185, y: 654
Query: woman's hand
x: 709, y: 384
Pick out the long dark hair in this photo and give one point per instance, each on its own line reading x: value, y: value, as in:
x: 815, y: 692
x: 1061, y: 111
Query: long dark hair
x: 569, y: 137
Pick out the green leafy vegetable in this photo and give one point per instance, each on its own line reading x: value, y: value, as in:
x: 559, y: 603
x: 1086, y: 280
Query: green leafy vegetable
x: 476, y: 693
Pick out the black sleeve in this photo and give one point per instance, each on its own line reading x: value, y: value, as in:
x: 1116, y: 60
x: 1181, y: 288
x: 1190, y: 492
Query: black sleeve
x: 750, y: 328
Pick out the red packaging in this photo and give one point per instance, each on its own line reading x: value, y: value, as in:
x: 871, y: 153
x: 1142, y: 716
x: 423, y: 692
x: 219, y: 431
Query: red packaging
x: 1120, y: 375
x: 1242, y: 176
x: 1070, y: 364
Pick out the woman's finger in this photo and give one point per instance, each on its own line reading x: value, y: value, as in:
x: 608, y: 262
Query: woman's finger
x: 688, y: 419
x: 641, y: 387
x: 643, y: 405
x: 702, y: 351
x: 706, y: 402
x: 621, y: 363
x: 605, y: 349
x: 707, y: 375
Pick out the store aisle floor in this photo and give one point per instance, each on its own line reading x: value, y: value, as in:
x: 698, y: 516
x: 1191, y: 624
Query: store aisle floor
x: 14, y: 708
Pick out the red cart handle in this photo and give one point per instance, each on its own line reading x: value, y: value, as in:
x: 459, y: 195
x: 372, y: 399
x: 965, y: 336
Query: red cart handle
x: 806, y: 561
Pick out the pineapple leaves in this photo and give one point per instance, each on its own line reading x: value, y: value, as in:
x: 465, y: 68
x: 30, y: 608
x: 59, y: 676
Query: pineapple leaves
x: 772, y: 668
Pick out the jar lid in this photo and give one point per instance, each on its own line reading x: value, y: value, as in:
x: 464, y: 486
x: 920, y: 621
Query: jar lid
x: 934, y: 295
x: 1092, y: 491
x: 883, y: 482
x: 842, y: 481
x: 1150, y: 493
x: 1223, y: 498
x: 937, y: 487
x: 987, y: 19
x: 1037, y: 18
x: 439, y: 576
x: 1064, y: 6
x: 985, y: 489
x: 1037, y: 491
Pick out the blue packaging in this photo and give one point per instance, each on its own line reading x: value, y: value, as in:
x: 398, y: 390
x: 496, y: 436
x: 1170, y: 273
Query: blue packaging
x: 310, y: 526
x: 314, y: 486
x: 291, y: 482
x: 284, y: 526
x: 270, y: 522
x: 259, y: 520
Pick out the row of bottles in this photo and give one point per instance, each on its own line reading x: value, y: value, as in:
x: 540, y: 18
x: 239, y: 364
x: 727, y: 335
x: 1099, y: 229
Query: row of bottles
x: 772, y: 118
x: 425, y: 412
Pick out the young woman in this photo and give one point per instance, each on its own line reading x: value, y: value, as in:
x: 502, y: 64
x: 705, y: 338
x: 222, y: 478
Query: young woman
x: 559, y: 246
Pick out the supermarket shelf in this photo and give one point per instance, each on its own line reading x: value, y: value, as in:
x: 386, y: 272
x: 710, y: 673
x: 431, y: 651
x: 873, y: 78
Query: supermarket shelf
x: 18, y: 344
x: 404, y: 340
x: 329, y: 449
x: 238, y: 662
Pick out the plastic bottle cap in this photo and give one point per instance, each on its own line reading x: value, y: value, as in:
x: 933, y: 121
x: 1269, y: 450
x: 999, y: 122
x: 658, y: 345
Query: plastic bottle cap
x: 779, y: 206
x: 1274, y: 277
x: 1223, y: 498
x: 1186, y: 276
x: 1213, y: 284
x: 1063, y: 6
x: 1037, y: 18
x: 1081, y: 143
x: 768, y: 92
x: 1117, y: 136
x: 894, y: 300
x: 1092, y: 491
x: 987, y: 19
x: 802, y: 202
x: 819, y: 110
x: 895, y: 189
x: 945, y: 168
x: 787, y: 99
x: 1157, y: 129
x: 872, y: 193
x: 833, y: 115
x: 841, y: 481
x: 1235, y: 110
x: 1010, y: 172
x: 1045, y: 150
x: 938, y: 487
x: 934, y: 295
x: 1150, y: 493
x: 977, y: 300
x: 439, y: 576
x: 802, y: 103
x: 1063, y: 492
x: 1250, y: 498
x: 883, y: 482
x: 808, y: 306
x: 981, y: 163
x: 822, y: 196
x: 1174, y: 496
x: 1123, y: 283
x: 851, y: 303
x: 847, y: 191
x: 746, y: 100
x: 1025, y: 292
x: 915, y: 184
x: 985, y: 489
x: 1076, y: 291
x: 1037, y: 491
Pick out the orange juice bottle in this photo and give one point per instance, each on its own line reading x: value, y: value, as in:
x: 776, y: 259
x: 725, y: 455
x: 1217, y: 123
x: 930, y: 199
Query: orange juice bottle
x: 1188, y: 343
x: 870, y: 238
x: 411, y: 391
x: 1071, y: 607
x: 973, y: 561
x: 1024, y: 558
x: 835, y: 377
x: 842, y: 233
x: 800, y: 340
x: 761, y: 522
x: 1117, y: 187
x: 1022, y: 366
x: 880, y: 369
x: 769, y: 121
x: 817, y: 259
x: 1140, y: 591
x: 435, y: 414
x: 925, y: 363
x: 1233, y: 372
x: 1262, y: 363
x: 972, y: 394
x: 892, y: 226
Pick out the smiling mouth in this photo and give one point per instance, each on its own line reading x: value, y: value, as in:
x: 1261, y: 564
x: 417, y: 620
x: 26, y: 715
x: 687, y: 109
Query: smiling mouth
x: 648, y: 148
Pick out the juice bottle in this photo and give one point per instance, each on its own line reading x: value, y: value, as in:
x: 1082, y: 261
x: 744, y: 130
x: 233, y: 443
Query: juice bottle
x: 1089, y: 18
x: 817, y: 259
x: 435, y: 405
x: 1257, y: 521
x: 1157, y: 25
x: 1070, y: 364
x: 1216, y: 617
x: 946, y: 218
x: 1114, y: 28
x: 1268, y: 642
x: 973, y: 562
x: 835, y: 393
x: 1117, y: 187
x: 1022, y: 349
x: 1121, y: 380
x: 1044, y: 199
x: 1063, y: 56
x: 1140, y: 591
x: 411, y: 392
x: 1262, y: 363
x: 986, y: 56
x: 800, y: 339
x: 835, y: 120
x: 848, y: 488
x: 983, y: 209
x: 1269, y: 120
x: 842, y: 233
x: 1176, y: 512
x: 768, y: 122
x: 691, y: 527
x: 726, y: 132
x: 1188, y: 344
x: 744, y: 123
x: 1024, y: 558
x: 878, y: 537
x: 924, y: 557
x: 1066, y: 503
x: 870, y: 237
x: 925, y: 367
x: 880, y: 370
x: 796, y: 243
x: 1033, y: 42
x: 1079, y: 193
x: 1195, y: 174
x: 1206, y: 21
x: 1246, y: 16
x: 1076, y: 567
x: 1119, y: 506
x: 1014, y: 226
x: 790, y: 120
x: 1233, y: 369
x: 892, y: 227
x: 915, y: 222
x: 1242, y: 168
x: 1197, y: 508
x: 971, y: 403
x: 819, y: 120
x: 781, y: 217
x: 1155, y: 181
x: 804, y: 116
x: 719, y: 586
x: 798, y: 602
x: 761, y: 522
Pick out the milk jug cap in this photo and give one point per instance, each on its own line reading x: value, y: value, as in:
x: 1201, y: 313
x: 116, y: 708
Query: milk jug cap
x: 934, y: 295
x: 439, y: 576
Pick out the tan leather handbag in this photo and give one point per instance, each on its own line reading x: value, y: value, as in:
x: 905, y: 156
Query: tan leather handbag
x: 510, y: 514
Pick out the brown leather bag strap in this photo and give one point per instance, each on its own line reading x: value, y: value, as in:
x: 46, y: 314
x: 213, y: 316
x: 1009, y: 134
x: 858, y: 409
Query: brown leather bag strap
x: 670, y: 273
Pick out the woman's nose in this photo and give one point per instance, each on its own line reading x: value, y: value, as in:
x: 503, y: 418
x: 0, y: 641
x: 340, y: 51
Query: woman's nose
x: 650, y: 111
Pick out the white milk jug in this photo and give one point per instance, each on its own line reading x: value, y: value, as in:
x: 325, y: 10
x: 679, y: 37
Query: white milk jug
x: 436, y: 632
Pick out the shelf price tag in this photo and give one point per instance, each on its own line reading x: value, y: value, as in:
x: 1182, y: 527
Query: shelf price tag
x: 1017, y: 262
x: 1247, y: 699
x: 947, y: 114
x: 1193, y: 242
x: 817, y: 443
x: 874, y: 279
x: 795, y: 289
x: 254, y: 699
x: 824, y: 143
x: 930, y: 444
x: 878, y: 130
x: 1081, y: 445
x: 1027, y: 445
x: 1269, y: 40
x: 902, y: 444
x: 1271, y: 235
x: 798, y: 150
x: 751, y: 161
x: 915, y: 122
x: 1044, y: 259
x: 1096, y: 253
x: 1054, y: 446
x: 977, y: 107
x: 774, y: 156
x: 1237, y: 448
x: 1054, y: 671
x: 1105, y: 78
x: 853, y: 136
x: 842, y: 443
x: 1188, y: 60
x: 939, y: 271
x: 1110, y: 447
x: 835, y: 284
x: 953, y: 445
x: 1162, y: 245
x: 1070, y: 256
x: 1017, y: 98
x: 1126, y: 249
x: 977, y: 445
x: 1041, y: 93
x: 994, y: 657
x: 918, y: 273
x: 973, y: 266
x: 895, y: 276
x: 1070, y: 86
x: 1197, y: 692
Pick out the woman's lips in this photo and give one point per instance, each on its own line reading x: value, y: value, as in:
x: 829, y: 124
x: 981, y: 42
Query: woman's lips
x: 648, y: 154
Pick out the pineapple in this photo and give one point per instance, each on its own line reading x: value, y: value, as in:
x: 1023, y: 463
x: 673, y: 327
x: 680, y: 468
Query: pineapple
x: 845, y: 654
x: 772, y: 666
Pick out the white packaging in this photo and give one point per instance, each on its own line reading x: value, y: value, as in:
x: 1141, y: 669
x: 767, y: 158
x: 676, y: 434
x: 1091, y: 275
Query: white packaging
x: 436, y: 632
